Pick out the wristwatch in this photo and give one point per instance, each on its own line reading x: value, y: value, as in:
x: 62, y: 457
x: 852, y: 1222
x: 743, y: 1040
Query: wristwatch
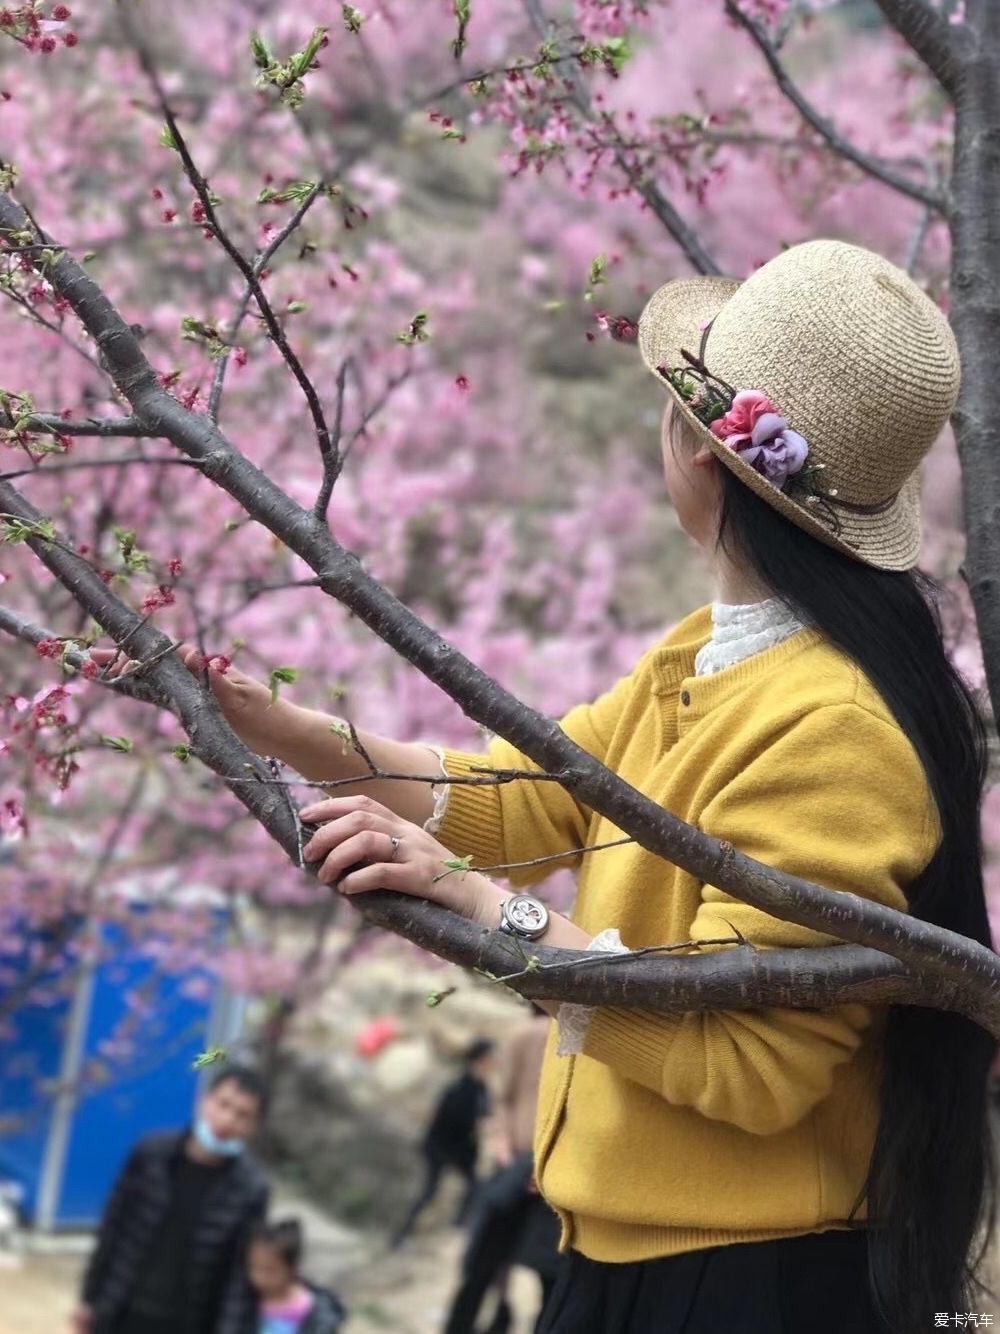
x: 525, y: 916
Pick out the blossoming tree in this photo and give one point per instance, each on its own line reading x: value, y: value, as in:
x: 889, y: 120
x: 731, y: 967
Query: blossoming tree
x: 252, y: 384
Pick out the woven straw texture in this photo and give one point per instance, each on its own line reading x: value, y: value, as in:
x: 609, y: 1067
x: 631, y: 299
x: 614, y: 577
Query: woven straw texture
x: 854, y: 356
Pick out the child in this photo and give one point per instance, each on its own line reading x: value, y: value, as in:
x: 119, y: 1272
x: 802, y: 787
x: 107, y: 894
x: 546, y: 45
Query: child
x: 452, y: 1138
x: 766, y: 1170
x: 286, y: 1302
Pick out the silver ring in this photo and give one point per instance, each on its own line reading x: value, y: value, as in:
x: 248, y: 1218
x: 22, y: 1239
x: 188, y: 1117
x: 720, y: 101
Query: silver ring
x: 395, y: 846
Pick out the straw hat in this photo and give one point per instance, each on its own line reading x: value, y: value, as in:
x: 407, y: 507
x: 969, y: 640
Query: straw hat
x: 858, y: 362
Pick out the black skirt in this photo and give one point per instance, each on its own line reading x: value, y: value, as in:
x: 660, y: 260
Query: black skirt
x: 815, y: 1284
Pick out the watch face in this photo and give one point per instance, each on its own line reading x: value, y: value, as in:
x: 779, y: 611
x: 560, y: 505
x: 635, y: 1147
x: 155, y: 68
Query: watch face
x: 527, y: 914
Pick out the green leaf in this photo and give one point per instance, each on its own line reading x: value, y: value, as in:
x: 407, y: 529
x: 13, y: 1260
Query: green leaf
x: 211, y: 1056
x: 299, y: 64
x: 167, y: 138
x: 339, y: 728
x: 281, y: 676
x: 417, y: 332
x: 182, y: 753
x: 436, y: 997
x: 353, y: 18
x: 616, y: 52
x: 458, y: 863
x: 120, y: 743
x: 598, y: 268
x: 260, y: 51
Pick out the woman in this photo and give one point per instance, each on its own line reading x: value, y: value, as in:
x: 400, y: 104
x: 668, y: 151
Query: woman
x: 775, y: 1169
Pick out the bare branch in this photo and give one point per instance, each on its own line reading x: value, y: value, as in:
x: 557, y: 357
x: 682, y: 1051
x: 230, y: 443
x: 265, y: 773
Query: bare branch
x: 53, y: 424
x: 245, y: 266
x: 870, y: 165
x: 330, y: 450
x: 260, y: 263
x: 942, y: 46
x: 43, y: 469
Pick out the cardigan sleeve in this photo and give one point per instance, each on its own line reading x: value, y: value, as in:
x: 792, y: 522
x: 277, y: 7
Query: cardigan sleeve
x: 524, y: 819
x: 839, y: 799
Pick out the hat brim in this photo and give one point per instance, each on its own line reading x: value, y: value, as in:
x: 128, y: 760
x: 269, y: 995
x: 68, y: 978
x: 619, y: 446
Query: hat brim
x: 672, y: 321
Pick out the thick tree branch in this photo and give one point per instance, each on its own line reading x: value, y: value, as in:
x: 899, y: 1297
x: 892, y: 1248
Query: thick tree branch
x: 942, y: 46
x: 871, y: 166
x: 943, y: 960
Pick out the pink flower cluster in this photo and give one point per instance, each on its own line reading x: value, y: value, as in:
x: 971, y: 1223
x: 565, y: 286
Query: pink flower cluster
x: 754, y: 429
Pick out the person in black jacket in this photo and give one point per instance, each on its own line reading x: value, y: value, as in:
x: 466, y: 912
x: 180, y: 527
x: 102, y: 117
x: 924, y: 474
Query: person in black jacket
x: 287, y: 1303
x: 452, y: 1139
x: 171, y: 1248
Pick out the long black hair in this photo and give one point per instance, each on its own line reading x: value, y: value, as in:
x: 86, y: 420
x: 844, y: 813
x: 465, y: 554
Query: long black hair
x: 931, y: 1181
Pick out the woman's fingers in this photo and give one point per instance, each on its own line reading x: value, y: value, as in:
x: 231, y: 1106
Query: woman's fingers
x: 335, y: 832
x: 371, y: 846
x: 114, y: 662
x: 399, y: 876
x: 332, y: 808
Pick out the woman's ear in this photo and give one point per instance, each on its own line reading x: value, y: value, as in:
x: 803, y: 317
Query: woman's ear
x: 703, y: 458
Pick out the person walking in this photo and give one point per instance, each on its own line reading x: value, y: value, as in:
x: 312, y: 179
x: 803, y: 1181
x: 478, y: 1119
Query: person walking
x: 452, y: 1138
x: 512, y: 1224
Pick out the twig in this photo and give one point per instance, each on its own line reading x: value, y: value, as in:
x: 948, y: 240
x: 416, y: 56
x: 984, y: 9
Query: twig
x: 656, y: 201
x: 496, y: 778
x: 917, y: 239
x: 245, y: 266
x: 259, y: 264
x: 871, y: 166
x: 330, y: 448
x: 54, y: 424
x: 45, y: 469
x: 599, y: 957
x: 568, y: 855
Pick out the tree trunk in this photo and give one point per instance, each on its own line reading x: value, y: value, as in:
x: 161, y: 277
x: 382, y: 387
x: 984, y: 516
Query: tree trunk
x: 975, y: 317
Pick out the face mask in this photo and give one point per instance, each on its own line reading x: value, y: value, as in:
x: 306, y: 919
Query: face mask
x: 210, y: 1142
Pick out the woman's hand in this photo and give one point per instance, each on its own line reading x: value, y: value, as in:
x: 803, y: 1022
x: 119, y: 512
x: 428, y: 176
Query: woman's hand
x: 245, y: 702
x: 364, y: 846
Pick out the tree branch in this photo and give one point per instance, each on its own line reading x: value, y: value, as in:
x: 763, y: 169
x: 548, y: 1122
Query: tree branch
x: 245, y: 266
x: 948, y: 965
x: 871, y: 166
x: 77, y: 465
x: 942, y: 46
x: 659, y: 205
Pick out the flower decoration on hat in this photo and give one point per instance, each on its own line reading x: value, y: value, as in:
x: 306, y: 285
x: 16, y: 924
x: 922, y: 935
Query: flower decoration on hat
x: 745, y: 420
x: 755, y: 430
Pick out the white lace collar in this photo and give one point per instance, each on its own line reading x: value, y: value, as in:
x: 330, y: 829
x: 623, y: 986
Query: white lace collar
x: 738, y: 632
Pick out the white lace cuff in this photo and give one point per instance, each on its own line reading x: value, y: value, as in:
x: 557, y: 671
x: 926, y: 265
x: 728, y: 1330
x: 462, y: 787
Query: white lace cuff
x: 441, y: 795
x: 574, y: 1020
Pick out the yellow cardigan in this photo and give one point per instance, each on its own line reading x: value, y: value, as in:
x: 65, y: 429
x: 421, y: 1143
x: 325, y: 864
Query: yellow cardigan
x: 675, y: 1132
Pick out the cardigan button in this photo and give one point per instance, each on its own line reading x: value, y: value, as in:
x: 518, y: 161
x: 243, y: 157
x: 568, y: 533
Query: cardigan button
x: 685, y: 698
